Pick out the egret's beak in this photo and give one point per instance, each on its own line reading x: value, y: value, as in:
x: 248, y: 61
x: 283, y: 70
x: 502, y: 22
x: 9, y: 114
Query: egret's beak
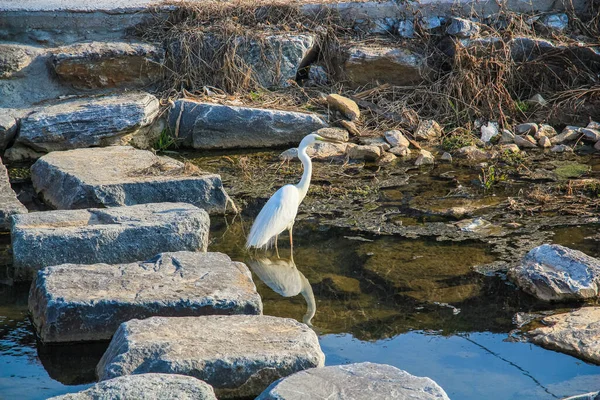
x: 324, y: 139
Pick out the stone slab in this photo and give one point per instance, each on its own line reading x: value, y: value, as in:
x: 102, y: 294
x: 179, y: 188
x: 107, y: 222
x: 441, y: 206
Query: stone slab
x: 360, y: 381
x: 113, y: 235
x: 122, y: 176
x: 9, y: 204
x: 216, y: 126
x: 239, y: 355
x: 87, y: 122
x: 71, y: 302
x: 576, y: 333
x: 146, y: 387
x: 557, y: 273
x: 112, y: 64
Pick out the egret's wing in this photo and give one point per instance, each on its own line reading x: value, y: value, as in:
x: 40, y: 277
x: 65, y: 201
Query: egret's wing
x: 277, y: 214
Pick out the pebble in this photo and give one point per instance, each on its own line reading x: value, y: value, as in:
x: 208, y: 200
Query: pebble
x: 446, y: 157
x: 424, y: 158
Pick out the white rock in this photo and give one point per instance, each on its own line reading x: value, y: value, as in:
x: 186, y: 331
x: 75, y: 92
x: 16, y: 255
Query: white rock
x: 396, y: 138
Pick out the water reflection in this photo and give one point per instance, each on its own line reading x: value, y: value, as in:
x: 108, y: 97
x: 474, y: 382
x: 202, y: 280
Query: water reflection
x: 284, y: 278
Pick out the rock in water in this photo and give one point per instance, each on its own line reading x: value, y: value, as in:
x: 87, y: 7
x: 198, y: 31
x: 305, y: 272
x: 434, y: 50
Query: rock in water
x: 87, y: 122
x: 557, y: 273
x: 360, y: 381
x: 344, y: 105
x: 112, y: 235
x: 73, y: 303
x: 146, y: 387
x: 123, y: 176
x: 424, y: 158
x: 108, y: 64
x: 9, y: 204
x: 576, y: 333
x: 239, y: 355
x: 217, y: 126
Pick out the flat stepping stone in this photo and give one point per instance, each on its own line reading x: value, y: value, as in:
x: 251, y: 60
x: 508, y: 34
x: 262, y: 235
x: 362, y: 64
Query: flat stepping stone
x: 360, y: 381
x: 218, y: 126
x: 112, y: 235
x: 9, y: 204
x: 71, y: 302
x: 239, y: 355
x: 123, y: 176
x: 87, y: 122
x: 146, y: 387
x: 576, y: 333
x: 557, y: 273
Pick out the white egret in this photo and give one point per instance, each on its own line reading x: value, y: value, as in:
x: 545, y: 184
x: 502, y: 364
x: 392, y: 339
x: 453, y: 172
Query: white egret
x: 279, y: 213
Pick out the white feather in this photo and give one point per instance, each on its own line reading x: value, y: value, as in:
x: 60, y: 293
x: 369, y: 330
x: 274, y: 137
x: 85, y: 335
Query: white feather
x: 277, y: 215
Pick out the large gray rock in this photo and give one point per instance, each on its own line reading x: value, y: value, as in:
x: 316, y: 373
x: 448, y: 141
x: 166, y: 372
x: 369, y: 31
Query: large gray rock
x: 108, y: 64
x: 8, y: 127
x: 398, y: 66
x: 113, y: 235
x: 275, y: 59
x: 123, y: 176
x: 576, y: 333
x: 146, y: 387
x: 9, y: 204
x: 217, y: 126
x: 239, y: 355
x: 87, y: 122
x: 360, y: 381
x: 14, y: 58
x: 557, y: 273
x: 71, y: 302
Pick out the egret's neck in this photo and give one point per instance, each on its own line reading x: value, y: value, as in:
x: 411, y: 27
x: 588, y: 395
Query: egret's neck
x: 306, y: 175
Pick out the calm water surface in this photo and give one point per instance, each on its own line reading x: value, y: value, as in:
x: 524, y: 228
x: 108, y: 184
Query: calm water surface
x: 378, y: 299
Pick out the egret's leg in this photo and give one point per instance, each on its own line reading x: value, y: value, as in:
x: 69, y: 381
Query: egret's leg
x: 276, y: 249
x: 291, y: 244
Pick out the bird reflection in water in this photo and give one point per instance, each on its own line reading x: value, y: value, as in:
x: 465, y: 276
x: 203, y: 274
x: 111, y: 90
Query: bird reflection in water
x: 282, y: 276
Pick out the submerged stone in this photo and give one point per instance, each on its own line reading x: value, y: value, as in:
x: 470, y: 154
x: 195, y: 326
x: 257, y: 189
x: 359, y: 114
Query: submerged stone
x: 87, y: 122
x: 557, y: 273
x: 112, y: 235
x: 576, y: 333
x: 424, y: 158
x: 9, y: 204
x: 146, y: 387
x: 74, y: 302
x: 108, y: 64
x: 123, y: 176
x: 360, y: 381
x: 239, y: 355
x: 217, y: 126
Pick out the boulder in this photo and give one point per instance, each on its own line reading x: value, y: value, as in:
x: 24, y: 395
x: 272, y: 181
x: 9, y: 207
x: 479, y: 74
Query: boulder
x: 360, y: 381
x: 275, y: 59
x: 590, y: 135
x: 74, y: 303
x: 428, y: 130
x: 576, y: 333
x: 14, y: 58
x: 528, y: 128
x: 473, y: 153
x: 527, y: 141
x: 96, y: 65
x: 87, y: 122
x: 239, y: 355
x: 123, y: 176
x: 527, y: 48
x: 9, y: 204
x: 146, y: 387
x: 364, y: 152
x: 545, y: 142
x: 396, y: 138
x: 397, y: 66
x: 570, y: 133
x: 557, y: 273
x: 344, y: 105
x: 8, y: 127
x: 113, y: 235
x: 217, y: 126
x: 400, y: 151
x: 318, y: 75
x: 424, y: 158
x: 462, y: 28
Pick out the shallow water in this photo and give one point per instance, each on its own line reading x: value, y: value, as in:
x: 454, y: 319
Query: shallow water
x: 412, y: 303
